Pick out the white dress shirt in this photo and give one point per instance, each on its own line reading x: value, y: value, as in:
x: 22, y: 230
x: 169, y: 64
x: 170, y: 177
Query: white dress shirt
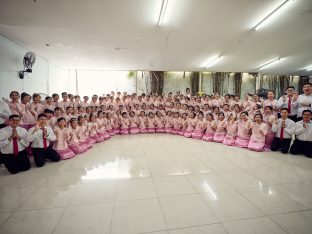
x: 284, y: 104
x: 36, y: 137
x: 304, y: 134
x: 304, y: 100
x: 5, y: 111
x: 288, y: 130
x: 6, y: 146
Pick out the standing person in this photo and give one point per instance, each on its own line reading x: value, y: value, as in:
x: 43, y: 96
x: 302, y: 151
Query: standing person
x: 41, y: 135
x: 304, y: 100
x: 289, y: 101
x: 284, y: 128
x: 303, y: 132
x: 13, y: 141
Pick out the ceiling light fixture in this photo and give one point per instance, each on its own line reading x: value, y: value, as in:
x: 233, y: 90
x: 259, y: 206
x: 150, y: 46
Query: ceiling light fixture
x: 212, y: 61
x: 162, y: 12
x: 268, y: 64
x: 255, y: 28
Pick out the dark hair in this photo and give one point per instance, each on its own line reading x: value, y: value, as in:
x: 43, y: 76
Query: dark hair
x: 211, y: 115
x: 270, y: 107
x: 13, y: 93
x: 64, y: 93
x: 310, y: 84
x: 42, y: 115
x: 286, y: 109
x: 258, y: 114
x: 290, y: 87
x: 72, y: 120
x: 60, y: 119
x: 244, y: 112
x: 80, y: 117
x: 307, y: 111
x: 47, y: 97
x: 57, y: 108
x: 24, y: 95
x: 35, y: 95
x: 68, y: 107
x: 48, y: 111
x: 54, y: 95
x: 14, y: 116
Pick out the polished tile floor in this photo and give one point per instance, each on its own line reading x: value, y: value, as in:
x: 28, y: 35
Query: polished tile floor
x: 160, y: 184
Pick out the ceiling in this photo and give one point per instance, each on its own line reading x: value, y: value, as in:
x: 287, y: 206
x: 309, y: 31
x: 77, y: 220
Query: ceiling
x: 123, y: 34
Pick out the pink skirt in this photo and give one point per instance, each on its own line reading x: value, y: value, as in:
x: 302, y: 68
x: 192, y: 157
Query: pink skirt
x: 78, y: 148
x: 116, y: 131
x: 256, y: 145
x: 88, y: 143
x: 134, y: 130
x: 160, y: 130
x: 268, y: 140
x: 106, y: 135
x: 91, y: 140
x: 143, y: 130
x: 181, y: 132
x: 198, y: 134
x: 150, y: 130
x: 110, y: 132
x: 208, y: 137
x: 241, y: 143
x: 66, y: 153
x: 100, y: 137
x: 124, y: 131
x: 175, y: 131
x: 188, y: 134
x: 168, y: 130
x: 229, y: 140
x: 218, y: 137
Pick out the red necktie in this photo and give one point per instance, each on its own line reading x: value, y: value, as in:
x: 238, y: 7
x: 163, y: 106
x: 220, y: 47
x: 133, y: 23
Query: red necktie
x: 44, y: 139
x: 15, y: 146
x: 289, y: 105
x: 282, y: 133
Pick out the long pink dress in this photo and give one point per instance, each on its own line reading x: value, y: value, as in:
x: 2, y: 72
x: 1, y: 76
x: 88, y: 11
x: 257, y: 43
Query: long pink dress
x: 124, y: 127
x: 269, y: 119
x: 133, y: 129
x: 142, y: 124
x: 168, y: 124
x: 28, y: 119
x: 84, y: 136
x: 60, y: 144
x: 257, y: 138
x: 100, y: 131
x: 177, y: 126
x: 151, y: 123
x: 231, y: 132
x: 191, y: 124
x: 116, y: 126
x: 92, y: 128
x: 160, y: 125
x: 210, y: 125
x: 199, y: 129
x: 220, y: 131
x: 74, y: 143
x: 243, y: 135
x: 109, y: 126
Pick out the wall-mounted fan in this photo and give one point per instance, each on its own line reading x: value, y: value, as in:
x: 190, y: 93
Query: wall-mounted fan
x: 29, y: 60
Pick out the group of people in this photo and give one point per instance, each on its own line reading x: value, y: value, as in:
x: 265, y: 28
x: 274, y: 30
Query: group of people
x: 60, y: 129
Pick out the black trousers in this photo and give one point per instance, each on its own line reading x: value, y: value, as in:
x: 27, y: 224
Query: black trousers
x: 17, y: 163
x: 278, y: 144
x: 1, y: 126
x: 41, y: 154
x: 302, y: 147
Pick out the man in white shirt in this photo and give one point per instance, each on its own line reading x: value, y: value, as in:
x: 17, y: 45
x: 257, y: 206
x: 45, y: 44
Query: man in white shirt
x: 304, y: 100
x: 284, y: 128
x: 289, y: 101
x: 5, y: 112
x: 303, y: 132
x: 41, y: 135
x: 13, y: 143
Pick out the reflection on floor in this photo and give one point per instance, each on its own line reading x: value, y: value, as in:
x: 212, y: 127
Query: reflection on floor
x: 160, y: 184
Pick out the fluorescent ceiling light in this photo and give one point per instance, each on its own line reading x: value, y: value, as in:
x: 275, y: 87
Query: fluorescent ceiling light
x: 212, y: 61
x: 268, y: 64
x: 162, y: 12
x: 309, y: 68
x: 269, y: 16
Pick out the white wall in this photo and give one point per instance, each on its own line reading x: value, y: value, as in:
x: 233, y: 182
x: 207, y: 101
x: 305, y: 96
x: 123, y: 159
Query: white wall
x: 45, y: 78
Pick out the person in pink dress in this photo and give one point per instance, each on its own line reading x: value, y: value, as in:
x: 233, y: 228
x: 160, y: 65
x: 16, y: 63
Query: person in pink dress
x: 142, y: 122
x: 49, y: 103
x: 259, y: 130
x: 100, y: 127
x: 15, y: 106
x: 168, y: 122
x: 269, y: 118
x: 36, y: 106
x: 199, y: 127
x: 177, y: 125
x: 92, y: 126
x: 220, y: 129
x: 160, y: 122
x: 231, y: 131
x: 29, y: 116
x: 125, y: 124
x: 68, y: 115
x: 84, y: 133
x: 215, y: 112
x: 151, y: 123
x: 226, y: 110
x: 57, y: 115
x: 117, y: 122
x: 271, y: 101
x: 210, y: 128
x: 133, y: 129
x: 183, y: 123
x: 191, y: 124
x: 73, y: 141
x: 110, y: 123
x: 60, y: 144
x: 236, y: 111
x: 243, y: 131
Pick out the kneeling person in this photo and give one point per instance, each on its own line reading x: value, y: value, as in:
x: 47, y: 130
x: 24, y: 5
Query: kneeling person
x: 303, y: 132
x: 13, y: 141
x: 41, y: 135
